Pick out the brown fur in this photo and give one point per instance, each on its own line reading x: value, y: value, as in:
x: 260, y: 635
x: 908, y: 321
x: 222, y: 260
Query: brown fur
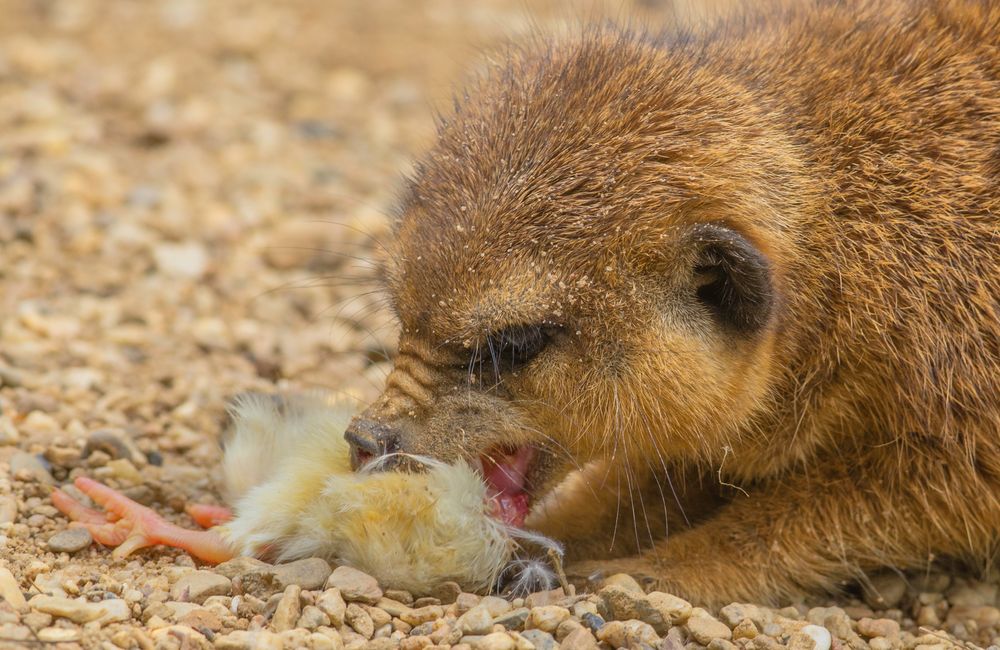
x: 854, y: 150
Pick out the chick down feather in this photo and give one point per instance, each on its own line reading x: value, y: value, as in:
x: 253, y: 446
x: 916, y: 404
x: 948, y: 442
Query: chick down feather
x: 287, y: 473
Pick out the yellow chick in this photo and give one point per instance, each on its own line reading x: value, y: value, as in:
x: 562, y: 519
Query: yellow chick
x: 288, y: 475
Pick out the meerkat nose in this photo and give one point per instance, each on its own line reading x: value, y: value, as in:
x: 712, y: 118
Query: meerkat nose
x: 370, y: 440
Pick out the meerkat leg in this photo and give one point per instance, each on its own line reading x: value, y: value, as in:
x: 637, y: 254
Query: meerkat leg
x: 129, y: 526
x: 807, y: 534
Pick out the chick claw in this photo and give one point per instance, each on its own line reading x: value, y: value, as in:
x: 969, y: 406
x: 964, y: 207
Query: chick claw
x: 129, y: 526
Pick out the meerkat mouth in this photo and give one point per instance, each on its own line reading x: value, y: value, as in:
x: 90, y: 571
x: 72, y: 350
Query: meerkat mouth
x: 505, y: 471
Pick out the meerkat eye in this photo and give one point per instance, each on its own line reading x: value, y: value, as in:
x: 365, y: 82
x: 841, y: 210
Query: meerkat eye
x: 732, y: 279
x: 520, y: 344
x: 512, y: 348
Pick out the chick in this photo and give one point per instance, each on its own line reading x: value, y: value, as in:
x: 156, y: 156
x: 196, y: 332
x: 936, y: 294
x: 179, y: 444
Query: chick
x: 288, y: 473
x: 288, y: 476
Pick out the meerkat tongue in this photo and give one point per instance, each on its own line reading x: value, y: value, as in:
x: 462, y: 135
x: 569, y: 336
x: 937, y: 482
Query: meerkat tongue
x: 504, y: 474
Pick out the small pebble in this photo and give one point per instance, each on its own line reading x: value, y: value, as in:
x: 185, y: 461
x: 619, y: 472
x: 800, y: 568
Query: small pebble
x: 30, y: 467
x: 546, y: 618
x: 478, y: 621
x: 8, y: 508
x: 58, y: 635
x: 496, y: 606
x: 331, y: 603
x: 70, y: 540
x: 671, y: 608
x: 359, y: 620
x: 187, y: 261
x: 624, y: 581
x: 116, y: 444
x: 309, y: 573
x: 422, y: 614
x: 879, y: 643
x: 733, y: 613
x: 745, y: 629
x: 37, y: 620
x: 287, y: 613
x: 415, y: 643
x: 622, y: 634
x: 116, y: 610
x: 201, y: 619
x: 543, y: 598
x: 703, y: 628
x: 869, y: 628
x: 820, y: 635
x: 721, y: 644
x: 446, y: 592
x: 885, y: 590
x: 10, y: 590
x: 312, y: 617
x: 541, y: 640
x: 382, y: 618
x: 78, y: 611
x: 496, y: 641
x: 196, y: 586
x: 581, y: 639
x: 392, y: 607
x: 239, y: 566
x: 513, y: 620
x: 399, y: 595
x: 465, y: 601
x: 354, y: 585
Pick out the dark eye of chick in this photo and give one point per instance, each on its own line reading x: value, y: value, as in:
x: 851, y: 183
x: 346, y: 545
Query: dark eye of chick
x: 510, y: 349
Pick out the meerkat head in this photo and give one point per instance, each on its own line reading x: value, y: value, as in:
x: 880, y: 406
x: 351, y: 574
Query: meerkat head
x: 581, y: 271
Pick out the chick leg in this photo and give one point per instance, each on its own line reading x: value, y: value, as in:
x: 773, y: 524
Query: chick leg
x: 207, y: 516
x: 129, y: 526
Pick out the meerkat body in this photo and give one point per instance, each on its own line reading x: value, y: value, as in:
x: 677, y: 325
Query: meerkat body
x: 763, y: 260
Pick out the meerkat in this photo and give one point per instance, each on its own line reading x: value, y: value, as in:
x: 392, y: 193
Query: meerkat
x: 718, y: 310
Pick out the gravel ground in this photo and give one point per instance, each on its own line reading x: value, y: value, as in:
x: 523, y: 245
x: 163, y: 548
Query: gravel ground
x: 191, y: 194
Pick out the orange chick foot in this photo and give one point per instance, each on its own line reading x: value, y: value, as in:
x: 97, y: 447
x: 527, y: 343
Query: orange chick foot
x: 129, y: 526
x: 207, y: 516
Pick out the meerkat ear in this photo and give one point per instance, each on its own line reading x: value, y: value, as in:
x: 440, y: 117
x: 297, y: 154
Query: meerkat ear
x: 732, y: 278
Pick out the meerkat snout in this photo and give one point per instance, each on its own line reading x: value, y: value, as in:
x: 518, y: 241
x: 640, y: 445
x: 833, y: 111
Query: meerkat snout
x: 369, y: 440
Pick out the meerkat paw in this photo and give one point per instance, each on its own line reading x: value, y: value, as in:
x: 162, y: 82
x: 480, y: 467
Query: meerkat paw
x: 129, y: 526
